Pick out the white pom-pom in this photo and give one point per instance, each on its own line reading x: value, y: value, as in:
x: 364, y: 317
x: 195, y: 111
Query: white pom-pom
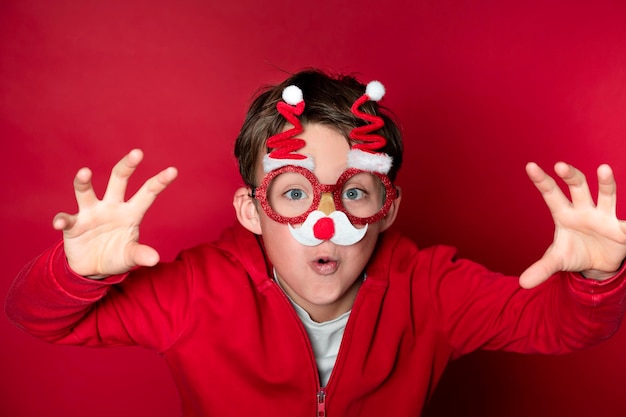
x: 292, y: 95
x: 375, y: 90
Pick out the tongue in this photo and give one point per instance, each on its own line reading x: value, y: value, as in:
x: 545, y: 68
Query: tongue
x: 324, y: 228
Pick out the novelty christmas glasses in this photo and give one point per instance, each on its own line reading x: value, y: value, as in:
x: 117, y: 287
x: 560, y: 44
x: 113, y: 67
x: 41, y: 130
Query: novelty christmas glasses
x: 290, y: 193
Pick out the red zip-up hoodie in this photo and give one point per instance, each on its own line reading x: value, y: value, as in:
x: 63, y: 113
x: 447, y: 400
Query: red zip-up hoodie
x: 236, y: 347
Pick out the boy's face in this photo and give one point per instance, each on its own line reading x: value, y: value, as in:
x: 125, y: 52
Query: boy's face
x: 322, y: 279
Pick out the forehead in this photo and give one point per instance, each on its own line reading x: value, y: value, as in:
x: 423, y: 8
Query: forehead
x: 327, y: 147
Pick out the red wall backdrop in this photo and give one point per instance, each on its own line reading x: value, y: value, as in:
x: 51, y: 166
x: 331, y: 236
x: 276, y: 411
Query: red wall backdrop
x: 480, y: 87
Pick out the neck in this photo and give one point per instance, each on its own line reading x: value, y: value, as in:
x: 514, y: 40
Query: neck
x: 321, y: 313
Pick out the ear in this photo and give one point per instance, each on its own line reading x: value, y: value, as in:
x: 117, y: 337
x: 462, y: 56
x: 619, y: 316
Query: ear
x: 391, y: 215
x: 246, y: 210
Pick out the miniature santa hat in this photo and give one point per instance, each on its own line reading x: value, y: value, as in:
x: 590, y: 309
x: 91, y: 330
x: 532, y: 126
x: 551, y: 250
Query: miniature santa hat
x: 284, y: 145
x: 363, y: 154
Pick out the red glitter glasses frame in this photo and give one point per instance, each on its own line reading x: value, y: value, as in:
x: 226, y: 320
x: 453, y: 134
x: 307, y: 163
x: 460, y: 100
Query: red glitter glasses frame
x: 260, y: 193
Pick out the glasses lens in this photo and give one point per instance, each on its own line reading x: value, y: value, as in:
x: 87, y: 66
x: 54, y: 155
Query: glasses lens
x: 363, y: 195
x: 290, y: 194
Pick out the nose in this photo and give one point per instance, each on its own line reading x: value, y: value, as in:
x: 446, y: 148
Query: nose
x: 327, y: 204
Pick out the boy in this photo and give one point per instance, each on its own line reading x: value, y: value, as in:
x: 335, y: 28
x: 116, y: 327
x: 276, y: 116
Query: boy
x: 309, y: 304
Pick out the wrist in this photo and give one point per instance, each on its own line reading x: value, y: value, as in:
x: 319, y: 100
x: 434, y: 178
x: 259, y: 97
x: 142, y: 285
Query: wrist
x: 597, y: 275
x: 601, y: 275
x: 96, y: 277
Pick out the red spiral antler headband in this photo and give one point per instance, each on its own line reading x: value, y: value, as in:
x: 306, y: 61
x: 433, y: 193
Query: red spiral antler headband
x: 362, y: 155
x: 284, y: 145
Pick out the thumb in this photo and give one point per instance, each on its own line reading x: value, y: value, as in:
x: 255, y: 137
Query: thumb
x: 537, y: 273
x: 144, y: 255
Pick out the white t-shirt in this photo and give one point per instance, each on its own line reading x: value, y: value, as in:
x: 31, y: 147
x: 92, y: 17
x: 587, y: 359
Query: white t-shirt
x: 325, y: 338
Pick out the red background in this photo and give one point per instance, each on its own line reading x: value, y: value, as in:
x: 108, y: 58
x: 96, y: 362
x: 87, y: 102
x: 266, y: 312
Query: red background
x: 480, y: 88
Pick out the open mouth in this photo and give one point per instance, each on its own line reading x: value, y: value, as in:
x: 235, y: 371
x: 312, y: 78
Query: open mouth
x: 325, y: 265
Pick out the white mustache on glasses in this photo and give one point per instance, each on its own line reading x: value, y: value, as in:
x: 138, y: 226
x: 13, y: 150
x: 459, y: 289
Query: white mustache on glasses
x: 345, y: 233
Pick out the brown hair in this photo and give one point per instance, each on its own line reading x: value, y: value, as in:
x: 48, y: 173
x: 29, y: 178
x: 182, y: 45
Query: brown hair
x: 327, y: 101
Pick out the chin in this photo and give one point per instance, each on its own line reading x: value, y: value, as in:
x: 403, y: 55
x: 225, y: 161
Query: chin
x: 325, y: 295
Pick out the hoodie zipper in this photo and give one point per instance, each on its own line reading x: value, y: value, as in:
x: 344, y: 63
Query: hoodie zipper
x: 320, y: 396
x: 321, y: 402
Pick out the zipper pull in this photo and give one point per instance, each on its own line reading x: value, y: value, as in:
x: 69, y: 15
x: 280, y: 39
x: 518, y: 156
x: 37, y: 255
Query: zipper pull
x: 321, y: 403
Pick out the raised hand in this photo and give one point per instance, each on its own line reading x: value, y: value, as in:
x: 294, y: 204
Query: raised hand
x: 102, y: 238
x: 588, y: 237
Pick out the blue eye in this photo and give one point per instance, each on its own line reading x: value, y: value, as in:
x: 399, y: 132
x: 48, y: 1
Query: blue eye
x: 295, y: 194
x: 353, y: 194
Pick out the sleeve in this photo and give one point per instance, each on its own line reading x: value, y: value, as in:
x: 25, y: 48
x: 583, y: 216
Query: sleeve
x: 147, y: 307
x: 480, y: 309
